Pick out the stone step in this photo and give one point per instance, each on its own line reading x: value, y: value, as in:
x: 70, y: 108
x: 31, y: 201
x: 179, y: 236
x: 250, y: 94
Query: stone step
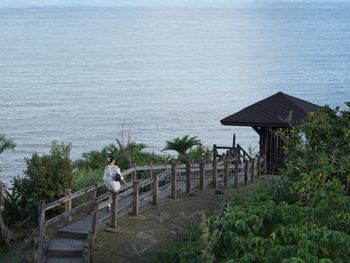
x: 65, y: 247
x: 73, y: 234
x: 64, y: 260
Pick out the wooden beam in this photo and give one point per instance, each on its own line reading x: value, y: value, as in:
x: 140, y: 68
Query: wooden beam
x: 173, y: 181
x: 188, y: 177
x: 257, y: 129
x: 201, y: 175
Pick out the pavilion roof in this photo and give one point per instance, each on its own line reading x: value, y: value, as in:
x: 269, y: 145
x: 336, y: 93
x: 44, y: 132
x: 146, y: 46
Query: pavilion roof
x: 272, y: 111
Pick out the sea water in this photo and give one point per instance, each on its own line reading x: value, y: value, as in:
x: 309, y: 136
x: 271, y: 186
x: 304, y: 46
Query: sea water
x: 82, y: 75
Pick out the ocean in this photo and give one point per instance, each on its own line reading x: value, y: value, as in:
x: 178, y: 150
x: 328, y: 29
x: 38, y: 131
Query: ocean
x: 82, y: 75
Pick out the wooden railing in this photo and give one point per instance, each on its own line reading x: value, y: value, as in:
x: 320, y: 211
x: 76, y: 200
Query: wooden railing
x: 190, y: 173
x: 236, y: 151
x: 159, y: 178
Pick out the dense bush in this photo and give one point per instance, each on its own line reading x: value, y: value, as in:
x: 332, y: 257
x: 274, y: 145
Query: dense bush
x: 45, y: 179
x: 304, y: 217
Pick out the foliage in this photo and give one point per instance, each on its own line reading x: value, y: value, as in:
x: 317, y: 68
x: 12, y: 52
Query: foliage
x: 189, y: 149
x: 182, y: 145
x: 197, y: 154
x: 318, y: 151
x: 125, y: 155
x: 304, y: 217
x: 6, y: 143
x: 5, y: 233
x: 46, y: 178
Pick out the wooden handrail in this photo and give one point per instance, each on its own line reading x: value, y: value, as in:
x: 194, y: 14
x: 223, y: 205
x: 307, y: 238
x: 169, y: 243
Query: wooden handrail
x: 191, y: 171
x: 72, y: 196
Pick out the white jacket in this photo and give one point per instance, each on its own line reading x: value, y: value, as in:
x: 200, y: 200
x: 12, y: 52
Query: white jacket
x: 110, y: 183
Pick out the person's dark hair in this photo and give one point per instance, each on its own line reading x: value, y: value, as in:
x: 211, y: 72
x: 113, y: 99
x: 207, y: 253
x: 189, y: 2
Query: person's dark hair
x: 110, y: 159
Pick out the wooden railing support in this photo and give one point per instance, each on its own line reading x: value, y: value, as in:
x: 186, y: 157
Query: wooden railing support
x: 42, y: 227
x: 188, y: 177
x: 150, y: 170
x: 93, y: 195
x: 173, y: 181
x: 136, y: 198
x: 91, y: 248
x: 235, y: 179
x: 259, y: 167
x: 134, y: 174
x: 215, y: 174
x: 155, y: 189
x: 246, y: 165
x: 114, y: 209
x: 265, y: 164
x: 201, y: 175
x: 68, y: 204
x: 252, y: 170
x: 226, y: 172
x: 92, y: 233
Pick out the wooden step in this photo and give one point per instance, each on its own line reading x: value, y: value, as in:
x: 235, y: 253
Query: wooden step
x: 73, y: 233
x: 64, y: 260
x: 65, y: 247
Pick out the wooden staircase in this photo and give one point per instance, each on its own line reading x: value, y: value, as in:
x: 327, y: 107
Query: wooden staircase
x: 65, y: 250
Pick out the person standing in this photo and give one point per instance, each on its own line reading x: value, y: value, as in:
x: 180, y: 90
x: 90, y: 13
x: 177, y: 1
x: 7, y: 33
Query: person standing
x: 109, y: 175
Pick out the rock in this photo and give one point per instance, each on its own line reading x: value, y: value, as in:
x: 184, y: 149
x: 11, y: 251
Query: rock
x: 113, y: 229
x: 219, y: 192
x: 163, y: 217
x: 140, y: 217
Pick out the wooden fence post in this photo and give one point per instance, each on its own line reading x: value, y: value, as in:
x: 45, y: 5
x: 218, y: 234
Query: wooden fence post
x: 150, y: 170
x: 252, y: 170
x: 201, y: 175
x: 246, y: 163
x: 226, y: 171
x: 173, y: 181
x: 265, y: 164
x: 68, y: 204
x: 42, y: 224
x: 92, y: 232
x: 114, y: 209
x: 188, y: 177
x: 155, y: 189
x: 235, y: 179
x: 134, y: 174
x: 215, y: 174
x: 91, y: 248
x: 259, y: 166
x: 136, y: 198
x: 93, y: 195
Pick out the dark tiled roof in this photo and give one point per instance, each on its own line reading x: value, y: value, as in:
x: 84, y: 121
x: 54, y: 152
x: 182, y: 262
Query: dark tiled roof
x: 272, y: 111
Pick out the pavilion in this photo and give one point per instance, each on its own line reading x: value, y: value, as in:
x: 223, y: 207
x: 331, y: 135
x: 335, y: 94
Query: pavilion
x: 278, y: 111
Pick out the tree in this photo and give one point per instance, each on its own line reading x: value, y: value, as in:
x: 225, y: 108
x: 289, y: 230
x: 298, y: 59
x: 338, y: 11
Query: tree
x: 5, y: 233
x: 182, y: 145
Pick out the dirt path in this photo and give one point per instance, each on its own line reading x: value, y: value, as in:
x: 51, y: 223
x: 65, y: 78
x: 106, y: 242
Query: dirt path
x: 158, y: 226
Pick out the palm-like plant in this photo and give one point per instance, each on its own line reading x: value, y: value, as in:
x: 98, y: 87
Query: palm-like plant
x: 182, y: 145
x: 6, y: 144
x: 5, y: 233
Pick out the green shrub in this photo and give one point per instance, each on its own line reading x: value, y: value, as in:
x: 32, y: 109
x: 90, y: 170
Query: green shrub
x: 304, y: 217
x: 45, y: 179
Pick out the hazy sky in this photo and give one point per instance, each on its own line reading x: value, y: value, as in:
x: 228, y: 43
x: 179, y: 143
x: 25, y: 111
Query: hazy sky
x: 150, y: 3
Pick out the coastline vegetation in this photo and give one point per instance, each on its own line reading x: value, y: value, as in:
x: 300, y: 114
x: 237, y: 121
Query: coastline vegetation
x: 47, y: 176
x: 303, y: 217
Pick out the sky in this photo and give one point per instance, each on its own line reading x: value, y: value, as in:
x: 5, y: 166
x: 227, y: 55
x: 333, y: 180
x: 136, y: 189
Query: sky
x: 148, y: 3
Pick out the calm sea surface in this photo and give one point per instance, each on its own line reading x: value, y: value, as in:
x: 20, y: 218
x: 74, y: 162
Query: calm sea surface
x: 79, y: 74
